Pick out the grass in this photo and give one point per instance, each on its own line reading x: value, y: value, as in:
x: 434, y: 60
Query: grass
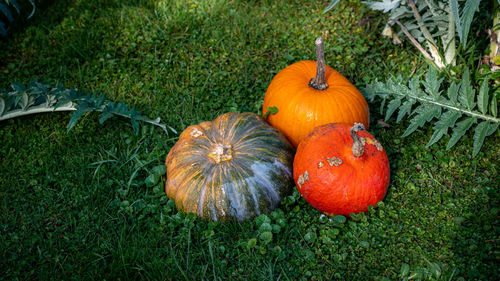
x: 77, y: 205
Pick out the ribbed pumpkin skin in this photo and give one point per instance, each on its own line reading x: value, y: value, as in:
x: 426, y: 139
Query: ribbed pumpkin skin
x: 253, y: 181
x: 302, y: 108
x: 344, y: 186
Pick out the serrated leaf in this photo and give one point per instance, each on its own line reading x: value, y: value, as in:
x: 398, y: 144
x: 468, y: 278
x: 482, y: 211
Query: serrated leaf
x: 121, y: 108
x: 38, y: 94
x: 435, y: 112
x: 432, y: 83
x: 436, y: 136
x: 382, y: 104
x: 63, y: 100
x: 466, y: 19
x: 456, y: 17
x: 482, y: 98
x: 134, y: 113
x: 492, y: 128
x: 466, y: 92
x: 447, y: 120
x: 417, y: 93
x: 369, y: 92
x: 459, y: 131
x: 105, y: 116
x: 76, y: 115
x: 74, y: 95
x: 404, y: 110
x: 97, y: 102
x: 494, y: 106
x: 479, y: 136
x: 391, y: 107
x: 414, y: 84
x: 50, y: 100
x: 424, y: 113
x: 453, y: 92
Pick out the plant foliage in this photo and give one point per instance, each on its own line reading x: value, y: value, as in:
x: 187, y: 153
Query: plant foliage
x: 439, y: 25
x: 270, y: 110
x: 8, y: 6
x: 436, y: 23
x: 456, y: 106
x: 38, y: 98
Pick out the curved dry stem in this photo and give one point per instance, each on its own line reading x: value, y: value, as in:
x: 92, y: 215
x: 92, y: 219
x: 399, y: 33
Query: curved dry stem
x: 357, y: 145
x: 319, y: 82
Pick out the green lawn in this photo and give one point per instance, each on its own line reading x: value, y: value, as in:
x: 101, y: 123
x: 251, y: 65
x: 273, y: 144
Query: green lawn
x: 75, y: 205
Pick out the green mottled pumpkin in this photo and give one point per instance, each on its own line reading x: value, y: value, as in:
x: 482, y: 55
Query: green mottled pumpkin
x: 235, y: 167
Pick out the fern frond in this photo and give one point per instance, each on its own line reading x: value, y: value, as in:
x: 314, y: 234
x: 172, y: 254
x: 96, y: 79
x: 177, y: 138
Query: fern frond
x: 457, y: 110
x: 41, y: 98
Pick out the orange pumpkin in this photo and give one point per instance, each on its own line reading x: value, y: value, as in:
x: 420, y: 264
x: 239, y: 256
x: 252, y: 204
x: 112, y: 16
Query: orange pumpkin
x: 305, y: 101
x: 341, y: 169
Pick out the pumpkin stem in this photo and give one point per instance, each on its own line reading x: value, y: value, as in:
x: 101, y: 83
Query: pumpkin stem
x: 319, y: 82
x: 358, y: 147
x: 221, y: 153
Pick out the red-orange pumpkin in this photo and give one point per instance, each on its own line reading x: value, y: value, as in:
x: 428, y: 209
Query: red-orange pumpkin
x: 304, y: 103
x: 341, y: 169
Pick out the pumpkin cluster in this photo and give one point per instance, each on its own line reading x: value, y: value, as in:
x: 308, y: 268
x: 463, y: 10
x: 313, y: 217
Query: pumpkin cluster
x: 241, y: 165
